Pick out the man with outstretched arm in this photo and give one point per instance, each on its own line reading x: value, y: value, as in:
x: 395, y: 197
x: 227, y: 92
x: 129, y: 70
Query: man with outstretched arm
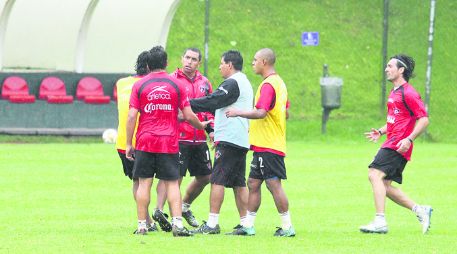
x: 406, y: 120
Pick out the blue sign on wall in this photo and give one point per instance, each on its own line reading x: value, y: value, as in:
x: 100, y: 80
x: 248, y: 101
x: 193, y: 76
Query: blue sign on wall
x: 310, y: 38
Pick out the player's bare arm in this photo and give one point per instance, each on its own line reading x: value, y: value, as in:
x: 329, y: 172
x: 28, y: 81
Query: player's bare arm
x: 131, y: 123
x: 405, y: 144
x: 190, y: 117
x: 252, y: 114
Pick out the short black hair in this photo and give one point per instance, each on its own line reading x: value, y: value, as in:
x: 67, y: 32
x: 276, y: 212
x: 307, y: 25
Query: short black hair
x: 141, y: 66
x: 234, y: 57
x: 196, y: 50
x: 158, y: 58
x: 406, y: 62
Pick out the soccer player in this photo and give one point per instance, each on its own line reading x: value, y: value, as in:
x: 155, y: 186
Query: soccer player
x: 193, y: 149
x: 267, y: 136
x: 406, y: 119
x: 231, y: 137
x: 124, y: 88
x: 157, y: 97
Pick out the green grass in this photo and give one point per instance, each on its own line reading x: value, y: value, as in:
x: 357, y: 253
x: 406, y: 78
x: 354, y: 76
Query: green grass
x: 350, y: 43
x: 73, y: 198
x: 21, y: 139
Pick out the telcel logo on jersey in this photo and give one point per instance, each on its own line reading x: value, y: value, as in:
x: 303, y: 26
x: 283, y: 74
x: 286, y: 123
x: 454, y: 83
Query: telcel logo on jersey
x: 159, y: 92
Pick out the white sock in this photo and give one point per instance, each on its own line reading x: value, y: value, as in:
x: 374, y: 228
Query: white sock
x: 213, y: 220
x: 286, y: 221
x: 185, y: 207
x: 243, y: 220
x: 380, y: 217
x: 177, y: 221
x: 141, y: 224
x: 250, y: 219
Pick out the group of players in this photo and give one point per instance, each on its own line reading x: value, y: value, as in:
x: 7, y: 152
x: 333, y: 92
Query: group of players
x: 160, y: 136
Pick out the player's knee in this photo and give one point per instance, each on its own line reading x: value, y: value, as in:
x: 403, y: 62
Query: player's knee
x: 374, y: 175
x: 273, y: 184
x: 253, y: 185
x: 203, y: 180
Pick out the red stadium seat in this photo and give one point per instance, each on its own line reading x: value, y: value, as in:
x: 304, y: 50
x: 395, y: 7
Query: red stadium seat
x: 16, y: 90
x: 53, y: 90
x: 25, y: 98
x: 90, y: 90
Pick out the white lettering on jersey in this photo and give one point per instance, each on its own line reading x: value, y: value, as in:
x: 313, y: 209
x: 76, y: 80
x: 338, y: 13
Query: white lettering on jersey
x: 225, y: 91
x: 159, y: 92
x: 391, y: 119
x: 153, y: 106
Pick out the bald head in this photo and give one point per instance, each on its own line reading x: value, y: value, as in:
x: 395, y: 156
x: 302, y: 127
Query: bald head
x: 268, y: 55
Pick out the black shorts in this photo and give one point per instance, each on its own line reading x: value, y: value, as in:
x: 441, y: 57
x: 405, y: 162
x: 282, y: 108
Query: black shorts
x: 194, y: 158
x: 127, y: 165
x: 391, y: 163
x: 163, y: 165
x: 267, y: 165
x: 229, y: 166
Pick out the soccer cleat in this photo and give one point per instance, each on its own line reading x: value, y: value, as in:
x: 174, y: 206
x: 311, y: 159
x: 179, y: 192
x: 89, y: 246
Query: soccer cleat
x: 152, y: 227
x: 206, y: 230
x: 181, y: 232
x: 374, y: 227
x: 240, y: 230
x: 234, y: 229
x: 190, y: 218
x: 285, y: 233
x: 141, y: 231
x: 424, y: 215
x: 162, y: 219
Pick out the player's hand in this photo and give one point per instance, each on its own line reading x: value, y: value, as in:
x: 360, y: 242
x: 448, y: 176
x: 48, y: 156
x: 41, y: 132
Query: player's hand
x: 129, y: 153
x: 180, y: 116
x: 373, y: 135
x: 205, y: 123
x: 211, y: 140
x: 232, y: 112
x: 403, y: 145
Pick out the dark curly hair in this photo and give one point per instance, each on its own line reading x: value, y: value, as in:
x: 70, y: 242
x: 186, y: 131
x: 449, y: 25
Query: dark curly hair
x: 141, y: 66
x: 406, y: 62
x: 158, y: 58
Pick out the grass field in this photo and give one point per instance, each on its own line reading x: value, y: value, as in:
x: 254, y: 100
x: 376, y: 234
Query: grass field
x: 350, y: 43
x: 73, y: 198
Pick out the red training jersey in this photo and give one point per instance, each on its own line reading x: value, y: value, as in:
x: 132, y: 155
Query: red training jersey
x: 157, y: 97
x: 197, y: 87
x: 404, y: 107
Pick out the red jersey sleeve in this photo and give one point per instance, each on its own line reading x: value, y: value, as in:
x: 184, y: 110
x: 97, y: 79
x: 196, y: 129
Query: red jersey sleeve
x: 134, y: 97
x: 416, y: 105
x: 267, y: 97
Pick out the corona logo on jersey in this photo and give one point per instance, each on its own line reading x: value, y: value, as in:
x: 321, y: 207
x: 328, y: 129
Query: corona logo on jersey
x: 158, y: 93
